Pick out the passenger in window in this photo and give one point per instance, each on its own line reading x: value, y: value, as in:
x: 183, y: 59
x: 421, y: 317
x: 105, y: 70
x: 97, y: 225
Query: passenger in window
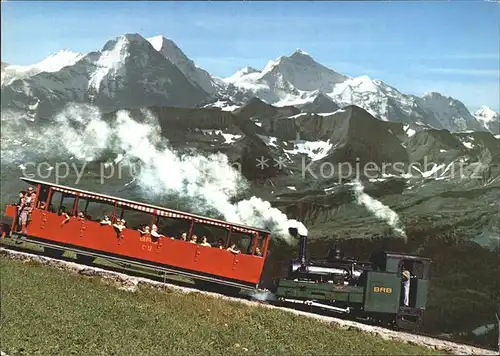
x: 220, y: 244
x: 155, y: 233
x: 105, y: 220
x: 119, y: 225
x: 66, y: 216
x: 204, y: 242
x: 193, y: 239
x: 258, y: 252
x: 233, y: 249
x: 81, y: 215
x: 145, y: 231
x: 184, y: 236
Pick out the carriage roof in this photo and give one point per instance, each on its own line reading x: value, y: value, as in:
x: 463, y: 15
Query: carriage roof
x: 161, y: 211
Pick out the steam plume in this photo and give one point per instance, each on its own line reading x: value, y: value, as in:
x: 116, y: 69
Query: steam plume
x: 208, y: 181
x: 378, y: 209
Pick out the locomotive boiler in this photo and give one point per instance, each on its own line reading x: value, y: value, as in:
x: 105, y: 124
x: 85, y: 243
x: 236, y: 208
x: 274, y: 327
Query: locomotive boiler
x: 364, y: 289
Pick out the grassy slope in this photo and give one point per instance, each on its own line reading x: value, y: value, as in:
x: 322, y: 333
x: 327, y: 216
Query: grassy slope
x: 49, y: 311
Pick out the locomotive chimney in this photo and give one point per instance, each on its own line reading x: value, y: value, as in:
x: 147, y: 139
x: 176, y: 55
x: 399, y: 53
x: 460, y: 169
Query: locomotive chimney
x: 302, y: 235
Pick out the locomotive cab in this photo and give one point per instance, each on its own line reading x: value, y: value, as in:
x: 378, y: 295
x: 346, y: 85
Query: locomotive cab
x: 392, y: 265
x: 419, y: 268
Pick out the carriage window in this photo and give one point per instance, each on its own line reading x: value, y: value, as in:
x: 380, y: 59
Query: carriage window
x: 43, y: 194
x: 212, y: 233
x: 68, y: 203
x: 60, y: 201
x: 55, y: 201
x: 172, y: 227
x: 81, y: 206
x: 96, y: 209
x: 259, y: 247
x: 135, y: 219
x: 242, y: 241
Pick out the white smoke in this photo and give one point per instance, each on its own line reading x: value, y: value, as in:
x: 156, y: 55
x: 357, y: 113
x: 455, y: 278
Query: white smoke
x: 210, y: 182
x: 378, y: 209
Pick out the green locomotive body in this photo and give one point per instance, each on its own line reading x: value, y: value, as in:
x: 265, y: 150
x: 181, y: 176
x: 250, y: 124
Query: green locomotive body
x: 371, y: 290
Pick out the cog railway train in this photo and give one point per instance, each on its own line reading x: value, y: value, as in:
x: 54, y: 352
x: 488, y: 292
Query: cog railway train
x: 95, y: 225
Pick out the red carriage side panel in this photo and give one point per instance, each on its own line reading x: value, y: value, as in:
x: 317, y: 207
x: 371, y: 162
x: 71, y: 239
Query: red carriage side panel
x: 93, y: 236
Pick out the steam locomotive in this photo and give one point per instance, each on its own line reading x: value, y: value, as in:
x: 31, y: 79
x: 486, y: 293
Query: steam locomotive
x: 370, y: 290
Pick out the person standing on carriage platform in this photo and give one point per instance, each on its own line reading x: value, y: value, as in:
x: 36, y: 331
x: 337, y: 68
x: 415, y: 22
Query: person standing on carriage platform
x: 19, y: 206
x: 32, y: 198
x: 23, y: 211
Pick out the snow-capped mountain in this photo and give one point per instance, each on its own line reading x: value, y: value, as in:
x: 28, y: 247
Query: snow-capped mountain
x: 381, y: 100
x: 287, y: 80
x: 300, y: 81
x: 489, y: 118
x: 128, y: 72
x: 302, y: 72
x: 131, y: 71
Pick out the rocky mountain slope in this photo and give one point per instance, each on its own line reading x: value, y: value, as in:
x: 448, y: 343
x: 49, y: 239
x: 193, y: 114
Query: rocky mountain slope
x: 131, y: 71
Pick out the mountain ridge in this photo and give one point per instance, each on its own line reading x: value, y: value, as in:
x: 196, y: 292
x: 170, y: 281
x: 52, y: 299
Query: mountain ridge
x: 294, y: 80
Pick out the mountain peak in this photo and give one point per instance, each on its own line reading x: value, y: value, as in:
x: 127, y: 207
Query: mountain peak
x: 486, y: 112
x: 300, y: 52
x: 435, y: 95
x: 248, y: 70
x: 163, y: 44
x: 157, y: 41
x: 121, y: 41
x: 169, y: 49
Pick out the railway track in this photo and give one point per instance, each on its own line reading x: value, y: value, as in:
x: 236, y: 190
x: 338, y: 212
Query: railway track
x: 131, y: 279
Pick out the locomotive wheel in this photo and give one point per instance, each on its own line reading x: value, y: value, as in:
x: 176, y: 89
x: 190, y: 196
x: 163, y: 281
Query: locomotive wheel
x: 84, y: 259
x: 406, y: 324
x: 53, y: 252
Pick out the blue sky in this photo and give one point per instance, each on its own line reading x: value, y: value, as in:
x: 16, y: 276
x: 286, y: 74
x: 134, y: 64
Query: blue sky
x: 451, y: 47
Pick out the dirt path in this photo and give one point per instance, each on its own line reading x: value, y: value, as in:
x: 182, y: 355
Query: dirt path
x: 130, y: 283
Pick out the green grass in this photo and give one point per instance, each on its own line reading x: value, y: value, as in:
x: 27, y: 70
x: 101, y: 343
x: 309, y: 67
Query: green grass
x: 52, y: 312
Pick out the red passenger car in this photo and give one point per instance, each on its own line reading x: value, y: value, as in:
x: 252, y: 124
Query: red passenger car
x: 65, y: 218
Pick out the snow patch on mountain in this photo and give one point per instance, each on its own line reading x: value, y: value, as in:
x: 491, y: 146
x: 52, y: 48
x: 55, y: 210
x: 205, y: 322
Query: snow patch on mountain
x: 489, y: 119
x: 223, y: 105
x: 245, y: 74
x: 314, y: 150
x: 109, y: 63
x: 52, y: 63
